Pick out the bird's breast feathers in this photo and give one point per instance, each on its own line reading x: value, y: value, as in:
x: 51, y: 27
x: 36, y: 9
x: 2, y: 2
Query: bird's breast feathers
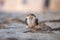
x: 31, y: 21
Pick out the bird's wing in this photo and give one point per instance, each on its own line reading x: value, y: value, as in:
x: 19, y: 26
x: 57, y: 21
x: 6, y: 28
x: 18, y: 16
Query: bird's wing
x: 36, y: 21
x: 26, y: 21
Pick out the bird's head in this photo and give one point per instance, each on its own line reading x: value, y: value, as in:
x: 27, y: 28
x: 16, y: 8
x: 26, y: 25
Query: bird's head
x: 31, y: 16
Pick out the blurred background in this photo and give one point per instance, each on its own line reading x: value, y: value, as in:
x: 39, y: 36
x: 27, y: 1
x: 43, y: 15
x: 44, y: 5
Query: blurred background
x: 29, y: 5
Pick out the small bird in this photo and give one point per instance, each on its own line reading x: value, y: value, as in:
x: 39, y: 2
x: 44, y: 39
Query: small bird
x: 31, y: 21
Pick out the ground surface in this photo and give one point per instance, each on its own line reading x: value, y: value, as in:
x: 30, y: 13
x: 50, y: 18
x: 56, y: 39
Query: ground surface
x: 15, y: 30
